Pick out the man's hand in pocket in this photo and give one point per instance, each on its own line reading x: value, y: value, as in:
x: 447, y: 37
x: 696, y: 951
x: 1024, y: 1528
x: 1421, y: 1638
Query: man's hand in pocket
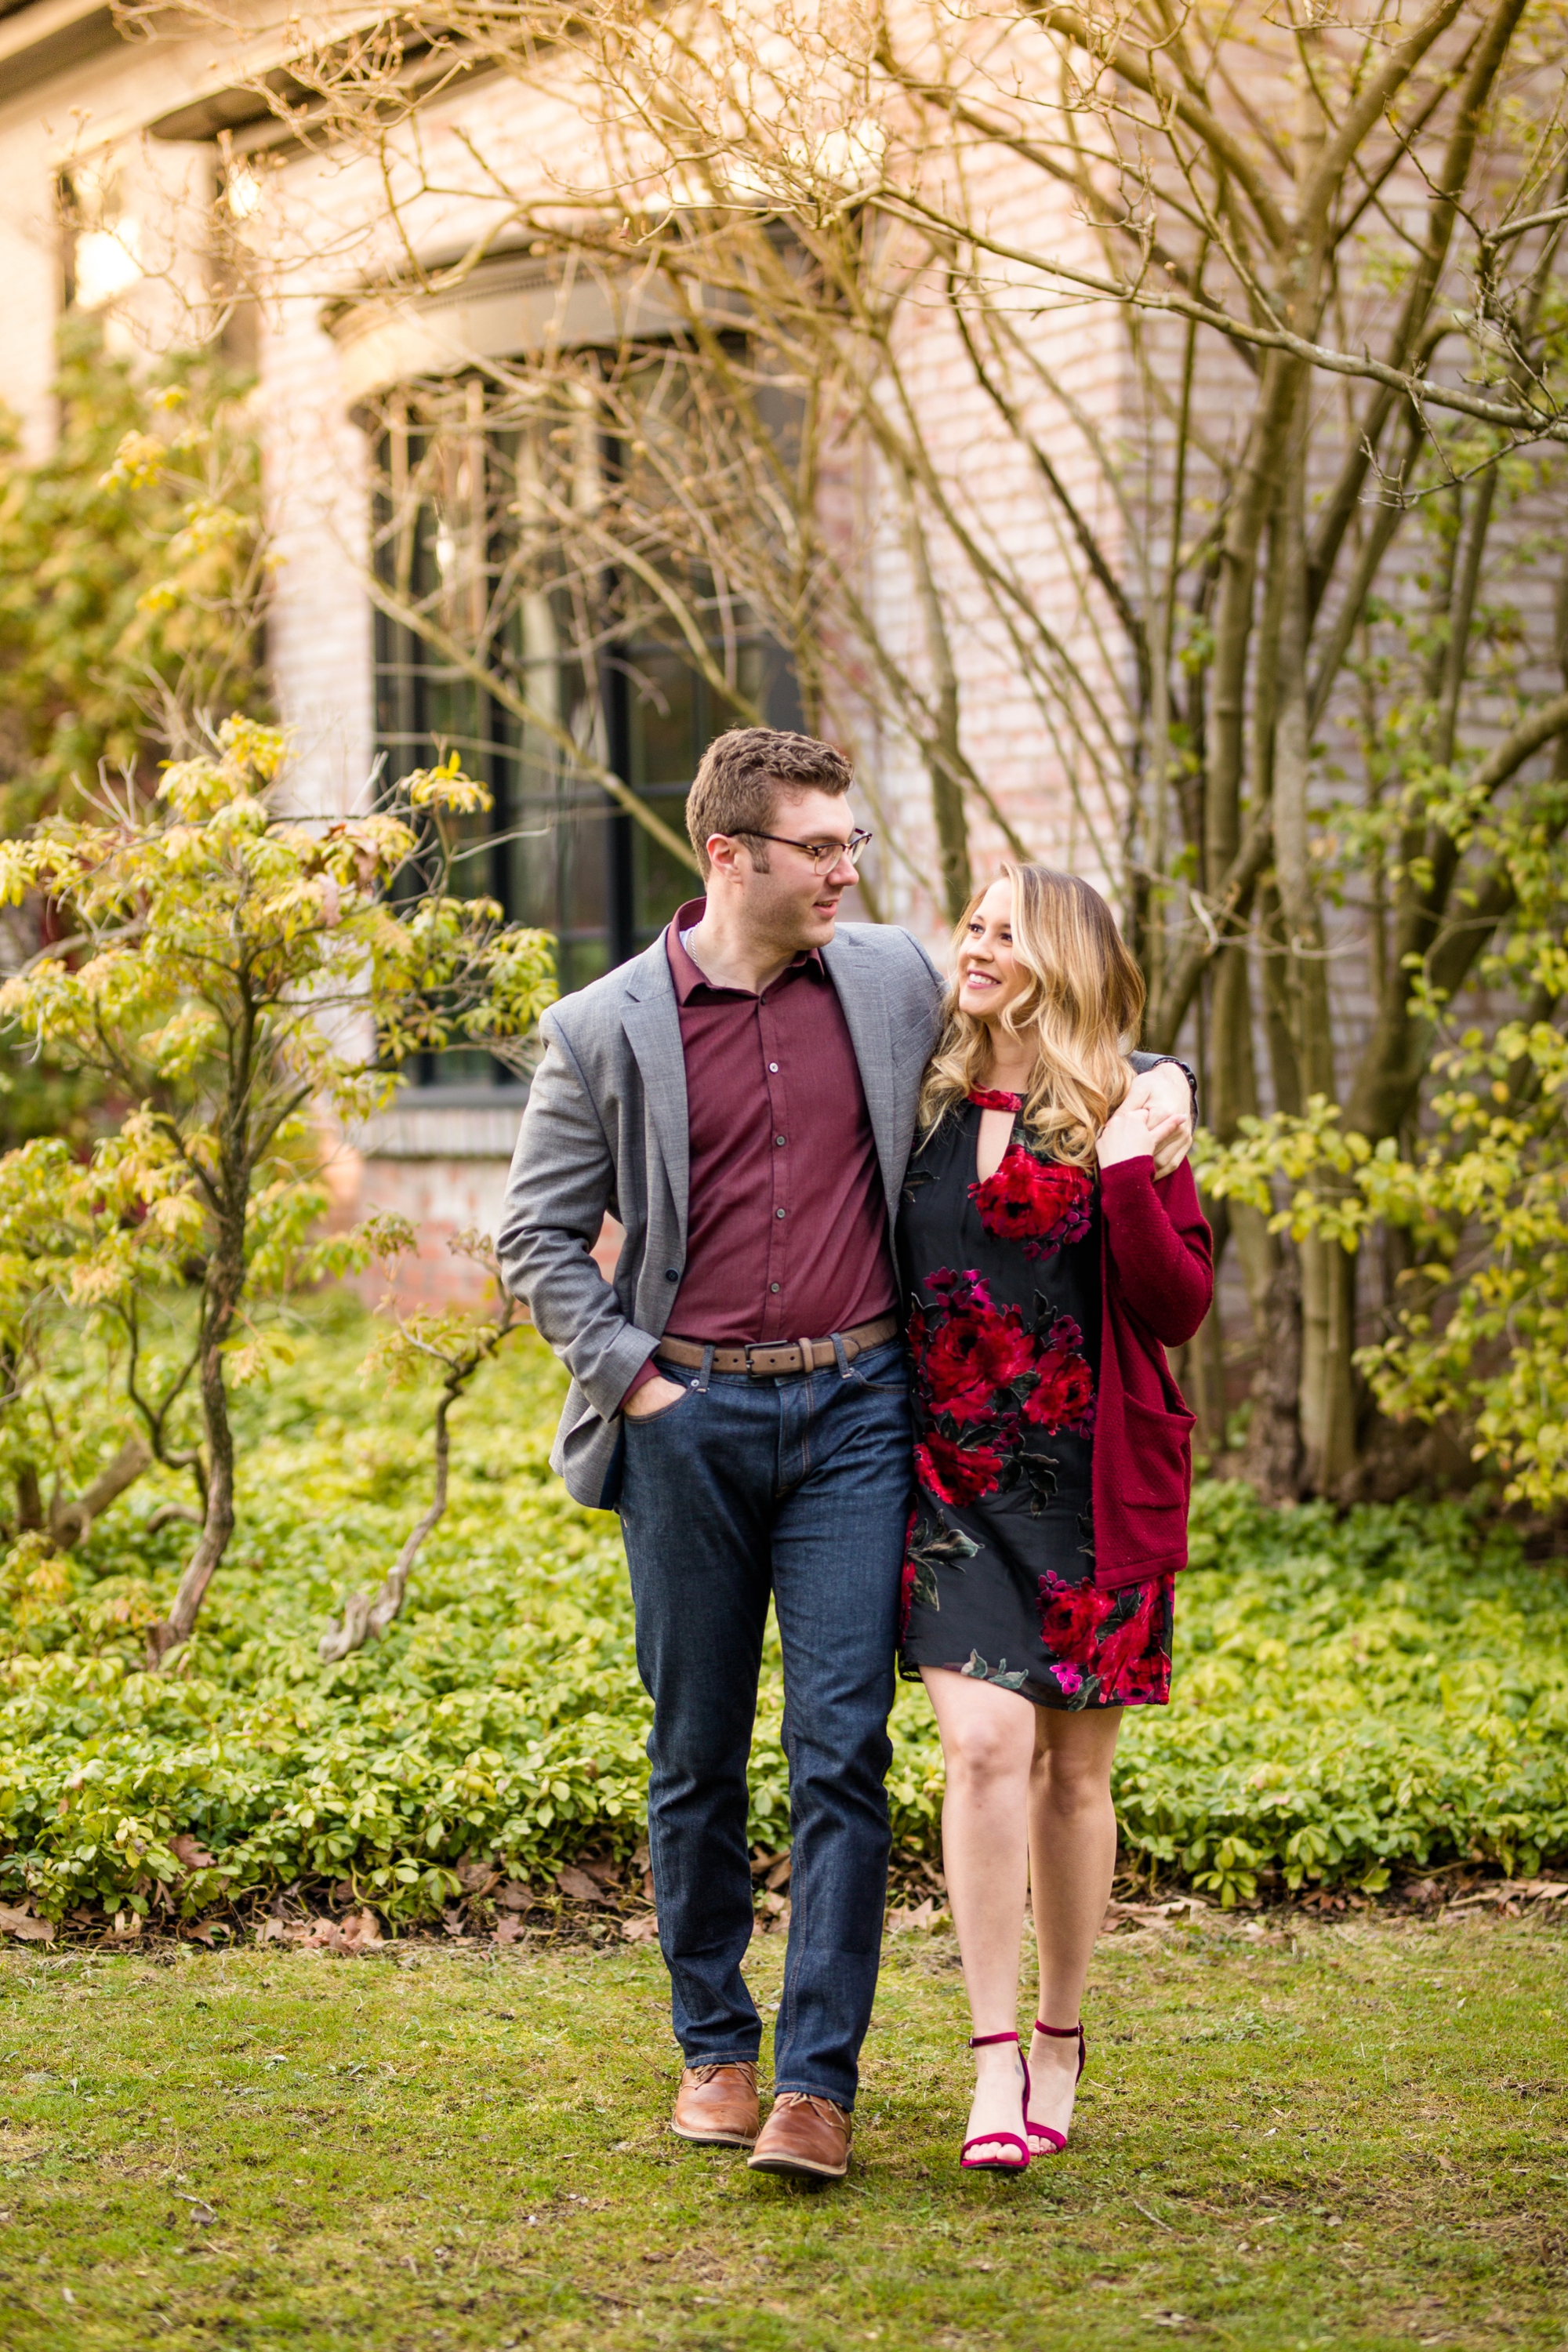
x: 655, y: 1396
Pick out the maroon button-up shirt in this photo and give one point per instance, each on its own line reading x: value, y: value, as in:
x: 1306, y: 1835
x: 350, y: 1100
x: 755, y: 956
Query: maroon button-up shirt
x: 787, y: 1228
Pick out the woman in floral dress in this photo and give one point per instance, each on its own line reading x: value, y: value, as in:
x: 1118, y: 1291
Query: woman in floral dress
x: 1043, y: 1264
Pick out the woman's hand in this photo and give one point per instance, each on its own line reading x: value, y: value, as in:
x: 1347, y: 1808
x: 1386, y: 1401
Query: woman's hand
x: 1134, y: 1133
x: 1165, y: 1097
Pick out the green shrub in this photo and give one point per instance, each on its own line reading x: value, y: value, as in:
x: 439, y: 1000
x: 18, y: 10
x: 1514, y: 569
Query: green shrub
x: 1385, y: 1690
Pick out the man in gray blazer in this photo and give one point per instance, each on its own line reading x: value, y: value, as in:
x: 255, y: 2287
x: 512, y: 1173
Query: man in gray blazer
x: 741, y: 1097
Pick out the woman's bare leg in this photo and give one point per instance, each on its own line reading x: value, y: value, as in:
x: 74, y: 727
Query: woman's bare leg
x: 1072, y: 1859
x: 988, y: 1748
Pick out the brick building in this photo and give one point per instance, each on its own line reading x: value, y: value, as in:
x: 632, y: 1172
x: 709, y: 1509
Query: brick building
x: 142, y: 137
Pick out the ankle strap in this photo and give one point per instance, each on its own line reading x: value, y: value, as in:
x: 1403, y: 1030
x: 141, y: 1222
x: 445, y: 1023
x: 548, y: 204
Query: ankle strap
x: 1058, y: 2032
x: 983, y: 2041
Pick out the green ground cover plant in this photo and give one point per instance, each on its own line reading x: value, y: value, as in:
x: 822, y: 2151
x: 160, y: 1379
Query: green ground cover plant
x: 1381, y: 1693
x: 1345, y: 2137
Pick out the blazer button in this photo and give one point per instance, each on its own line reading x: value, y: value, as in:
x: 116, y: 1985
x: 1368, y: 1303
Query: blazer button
x: 672, y: 1274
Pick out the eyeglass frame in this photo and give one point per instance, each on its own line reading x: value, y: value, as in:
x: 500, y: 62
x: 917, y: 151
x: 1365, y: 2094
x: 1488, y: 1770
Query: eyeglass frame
x: 854, y: 849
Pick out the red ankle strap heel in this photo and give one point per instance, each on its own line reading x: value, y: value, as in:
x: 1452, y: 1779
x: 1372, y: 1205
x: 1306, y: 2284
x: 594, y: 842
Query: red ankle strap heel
x: 997, y: 2138
x: 1041, y: 2136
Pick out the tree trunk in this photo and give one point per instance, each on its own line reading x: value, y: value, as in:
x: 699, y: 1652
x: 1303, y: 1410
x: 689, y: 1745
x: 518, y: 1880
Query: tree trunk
x: 1256, y: 488
x: 1284, y: 1069
x: 68, y: 1522
x: 29, y: 1498
x: 1271, y: 1460
x: 365, y: 1614
x: 1328, y: 1274
x: 941, y: 752
x: 1329, y: 1404
x: 1234, y: 1096
x: 226, y: 1281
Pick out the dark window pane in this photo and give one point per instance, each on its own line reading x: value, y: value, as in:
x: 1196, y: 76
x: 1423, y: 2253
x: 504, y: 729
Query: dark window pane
x: 665, y: 695
x: 467, y: 530
x: 661, y: 882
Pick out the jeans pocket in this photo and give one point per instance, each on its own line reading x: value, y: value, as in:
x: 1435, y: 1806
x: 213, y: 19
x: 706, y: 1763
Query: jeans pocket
x: 651, y: 1419
x: 888, y: 1372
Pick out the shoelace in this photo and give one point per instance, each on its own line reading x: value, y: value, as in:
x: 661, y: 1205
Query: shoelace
x: 824, y: 2109
x: 725, y: 2066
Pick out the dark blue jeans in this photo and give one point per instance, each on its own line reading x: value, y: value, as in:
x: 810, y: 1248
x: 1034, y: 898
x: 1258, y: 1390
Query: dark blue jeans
x: 798, y: 1487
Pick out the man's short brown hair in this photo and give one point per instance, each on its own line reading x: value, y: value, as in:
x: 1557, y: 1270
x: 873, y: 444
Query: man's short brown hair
x: 745, y: 774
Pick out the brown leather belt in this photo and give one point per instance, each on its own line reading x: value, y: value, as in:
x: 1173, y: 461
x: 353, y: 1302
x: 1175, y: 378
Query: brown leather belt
x: 769, y: 1359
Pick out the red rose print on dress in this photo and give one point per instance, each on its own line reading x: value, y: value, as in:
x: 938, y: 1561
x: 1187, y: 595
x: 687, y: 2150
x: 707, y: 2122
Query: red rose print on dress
x: 955, y: 1472
x: 1042, y: 1204
x: 1111, y: 1638
x: 980, y: 1377
x: 907, y: 1583
x: 974, y: 1350
x: 1063, y: 1396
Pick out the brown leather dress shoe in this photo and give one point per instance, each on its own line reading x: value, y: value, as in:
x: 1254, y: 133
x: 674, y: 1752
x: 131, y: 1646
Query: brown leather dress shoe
x: 717, y: 2105
x: 804, y: 2135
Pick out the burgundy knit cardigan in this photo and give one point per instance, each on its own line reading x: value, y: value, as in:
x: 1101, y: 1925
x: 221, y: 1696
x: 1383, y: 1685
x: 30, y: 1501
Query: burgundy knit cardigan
x: 1157, y: 1279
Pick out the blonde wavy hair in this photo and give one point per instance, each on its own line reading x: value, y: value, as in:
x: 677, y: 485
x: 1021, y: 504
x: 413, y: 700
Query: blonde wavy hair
x: 1082, y: 1006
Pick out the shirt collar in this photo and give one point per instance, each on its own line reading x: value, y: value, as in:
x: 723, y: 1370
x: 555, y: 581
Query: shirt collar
x: 685, y: 973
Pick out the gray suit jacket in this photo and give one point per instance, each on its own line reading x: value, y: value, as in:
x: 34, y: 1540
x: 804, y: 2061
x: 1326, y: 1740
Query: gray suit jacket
x: 605, y: 1128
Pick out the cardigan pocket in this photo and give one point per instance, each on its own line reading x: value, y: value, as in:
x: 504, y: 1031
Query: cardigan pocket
x: 1157, y: 1463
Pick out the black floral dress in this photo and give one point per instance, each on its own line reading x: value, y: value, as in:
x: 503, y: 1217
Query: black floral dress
x: 1002, y: 1280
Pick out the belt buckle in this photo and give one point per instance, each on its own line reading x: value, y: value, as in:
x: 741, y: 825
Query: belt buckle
x: 755, y: 1347
x: 767, y: 1347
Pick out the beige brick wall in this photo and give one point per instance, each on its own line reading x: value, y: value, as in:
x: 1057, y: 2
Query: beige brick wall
x: 320, y: 218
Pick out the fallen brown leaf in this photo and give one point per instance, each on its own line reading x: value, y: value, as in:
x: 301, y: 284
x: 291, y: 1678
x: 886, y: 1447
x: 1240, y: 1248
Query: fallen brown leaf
x: 579, y: 1886
x: 643, y: 1928
x: 20, y: 1922
x: 361, y: 1932
x: 510, y: 1928
x: 515, y: 1895
x: 190, y: 1851
x: 917, y: 1919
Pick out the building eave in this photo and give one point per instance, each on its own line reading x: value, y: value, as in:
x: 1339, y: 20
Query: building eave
x: 47, y: 37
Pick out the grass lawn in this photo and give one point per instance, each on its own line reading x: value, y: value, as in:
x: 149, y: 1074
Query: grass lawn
x: 1349, y: 2136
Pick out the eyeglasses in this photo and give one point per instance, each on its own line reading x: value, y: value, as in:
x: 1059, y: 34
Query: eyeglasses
x: 823, y: 855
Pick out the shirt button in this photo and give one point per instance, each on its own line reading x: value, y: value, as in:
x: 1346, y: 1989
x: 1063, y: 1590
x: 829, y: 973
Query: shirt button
x: 778, y: 1139
x: 778, y: 1212
x: 672, y: 1274
x: 774, y: 1069
x: 772, y: 1285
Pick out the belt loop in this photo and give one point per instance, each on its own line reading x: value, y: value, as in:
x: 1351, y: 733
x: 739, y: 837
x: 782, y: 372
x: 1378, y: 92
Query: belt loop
x: 843, y: 1359
x: 702, y: 1377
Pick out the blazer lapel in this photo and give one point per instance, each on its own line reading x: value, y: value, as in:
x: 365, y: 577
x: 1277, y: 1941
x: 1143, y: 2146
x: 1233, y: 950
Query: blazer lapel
x: 866, y: 1015
x: 651, y: 1020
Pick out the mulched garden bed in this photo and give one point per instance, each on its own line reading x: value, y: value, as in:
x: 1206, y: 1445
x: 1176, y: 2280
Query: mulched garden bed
x: 599, y: 1900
